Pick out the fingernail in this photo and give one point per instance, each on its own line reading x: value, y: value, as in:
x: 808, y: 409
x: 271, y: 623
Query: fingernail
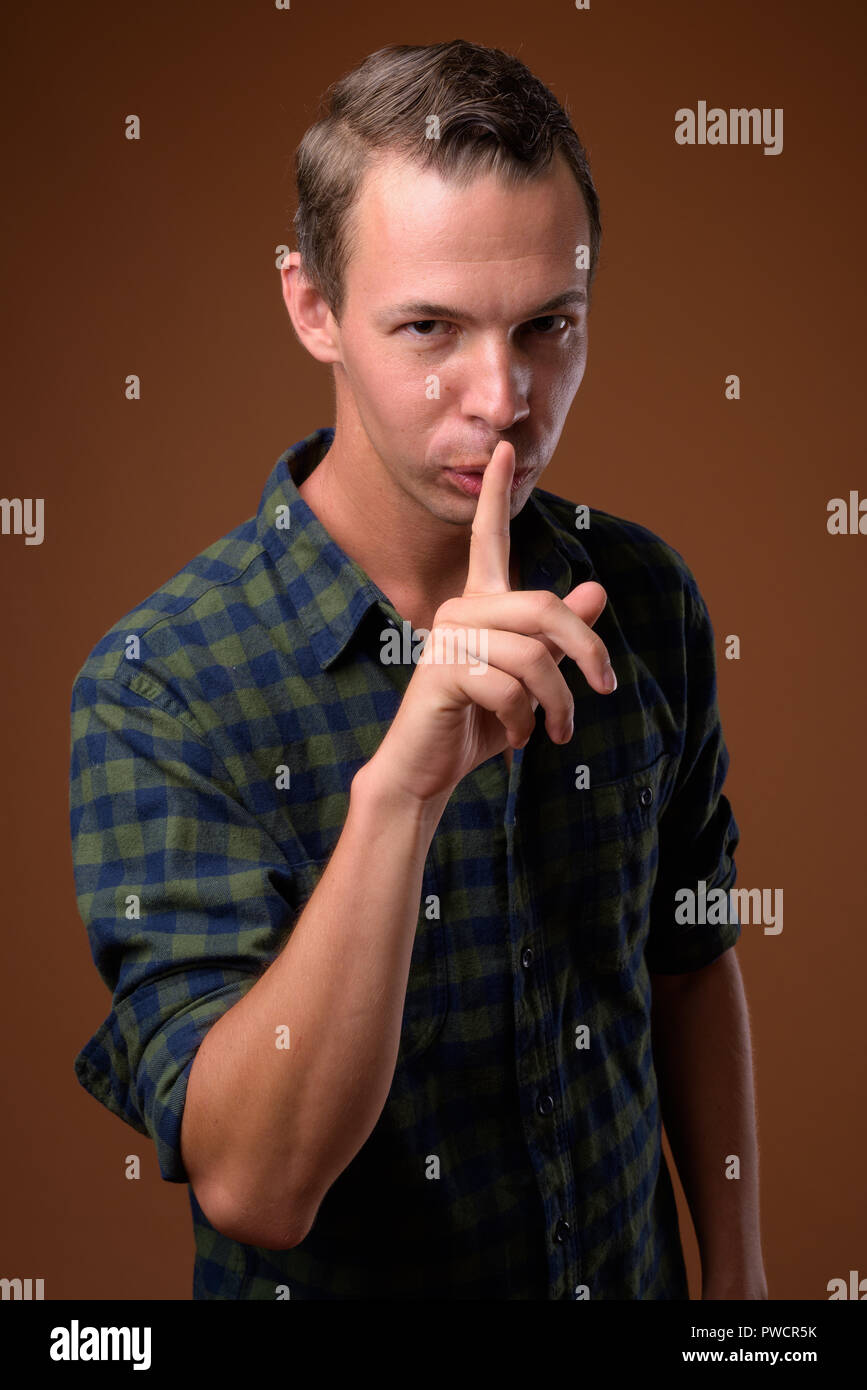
x: 609, y: 680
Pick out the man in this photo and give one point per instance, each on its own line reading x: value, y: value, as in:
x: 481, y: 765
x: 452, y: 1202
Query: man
x: 398, y: 980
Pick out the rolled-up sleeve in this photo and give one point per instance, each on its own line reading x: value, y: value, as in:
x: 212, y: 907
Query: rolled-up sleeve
x: 185, y: 897
x: 698, y: 833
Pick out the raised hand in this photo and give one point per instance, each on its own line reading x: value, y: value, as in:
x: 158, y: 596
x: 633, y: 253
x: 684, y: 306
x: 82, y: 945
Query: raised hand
x: 459, y: 710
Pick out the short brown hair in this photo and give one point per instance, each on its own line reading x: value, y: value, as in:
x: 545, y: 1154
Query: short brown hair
x: 494, y: 117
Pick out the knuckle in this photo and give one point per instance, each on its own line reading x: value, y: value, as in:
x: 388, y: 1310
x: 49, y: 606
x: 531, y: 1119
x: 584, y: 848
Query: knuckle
x: 536, y: 656
x: 546, y: 602
x: 513, y: 694
x: 447, y: 612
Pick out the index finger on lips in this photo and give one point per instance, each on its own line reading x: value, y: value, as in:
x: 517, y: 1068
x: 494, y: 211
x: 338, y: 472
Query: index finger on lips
x: 488, y: 570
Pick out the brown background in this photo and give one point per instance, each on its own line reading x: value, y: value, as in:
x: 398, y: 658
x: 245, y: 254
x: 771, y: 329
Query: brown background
x: 158, y: 258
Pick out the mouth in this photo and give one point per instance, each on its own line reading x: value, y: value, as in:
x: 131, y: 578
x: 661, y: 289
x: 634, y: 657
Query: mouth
x: 469, y: 478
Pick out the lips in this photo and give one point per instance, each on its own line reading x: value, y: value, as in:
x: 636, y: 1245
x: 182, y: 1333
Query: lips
x: 476, y: 471
x: 468, y: 468
x: 469, y: 480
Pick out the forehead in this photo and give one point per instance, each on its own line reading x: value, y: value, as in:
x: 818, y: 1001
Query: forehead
x: 410, y: 222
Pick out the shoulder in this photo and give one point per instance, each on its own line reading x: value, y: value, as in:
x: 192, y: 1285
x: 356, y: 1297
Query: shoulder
x: 179, y: 630
x: 629, y: 559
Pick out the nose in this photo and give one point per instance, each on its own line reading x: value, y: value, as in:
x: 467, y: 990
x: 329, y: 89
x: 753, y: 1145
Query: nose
x: 496, y: 385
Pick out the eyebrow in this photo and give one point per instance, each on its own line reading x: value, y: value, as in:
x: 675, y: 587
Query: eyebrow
x: 421, y: 309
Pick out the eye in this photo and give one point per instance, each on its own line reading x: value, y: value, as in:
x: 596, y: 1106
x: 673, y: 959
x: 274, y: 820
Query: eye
x: 420, y: 322
x: 550, y: 318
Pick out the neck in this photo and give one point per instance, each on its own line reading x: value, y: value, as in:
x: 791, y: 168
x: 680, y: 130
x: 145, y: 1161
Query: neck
x: 415, y: 558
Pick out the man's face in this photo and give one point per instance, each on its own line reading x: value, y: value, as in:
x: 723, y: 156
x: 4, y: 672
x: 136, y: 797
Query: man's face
x: 476, y: 357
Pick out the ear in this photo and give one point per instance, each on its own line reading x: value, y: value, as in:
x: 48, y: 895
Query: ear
x: 311, y: 317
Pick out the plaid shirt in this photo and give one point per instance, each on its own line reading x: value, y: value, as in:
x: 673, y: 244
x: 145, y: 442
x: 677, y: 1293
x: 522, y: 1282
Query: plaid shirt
x: 525, y: 1064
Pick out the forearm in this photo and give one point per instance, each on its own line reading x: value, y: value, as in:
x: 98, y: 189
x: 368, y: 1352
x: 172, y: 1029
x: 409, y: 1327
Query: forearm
x: 266, y: 1130
x: 703, y: 1060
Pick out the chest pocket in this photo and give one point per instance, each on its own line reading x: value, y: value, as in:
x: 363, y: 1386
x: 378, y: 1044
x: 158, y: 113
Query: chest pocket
x: 620, y: 825
x: 427, y: 993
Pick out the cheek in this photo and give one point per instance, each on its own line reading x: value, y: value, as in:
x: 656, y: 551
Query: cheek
x: 562, y: 383
x: 393, y: 382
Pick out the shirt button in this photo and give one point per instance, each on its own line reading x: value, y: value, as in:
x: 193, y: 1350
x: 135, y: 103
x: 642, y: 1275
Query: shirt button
x: 526, y: 956
x: 562, y: 1230
x: 545, y: 1104
x: 646, y: 796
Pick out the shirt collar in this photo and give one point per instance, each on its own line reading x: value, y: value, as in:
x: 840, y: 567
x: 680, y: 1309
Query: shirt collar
x: 332, y: 594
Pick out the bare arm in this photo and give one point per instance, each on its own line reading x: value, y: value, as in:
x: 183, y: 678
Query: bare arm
x: 266, y: 1131
x: 703, y: 1059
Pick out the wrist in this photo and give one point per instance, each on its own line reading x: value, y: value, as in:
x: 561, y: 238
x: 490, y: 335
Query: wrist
x: 373, y: 786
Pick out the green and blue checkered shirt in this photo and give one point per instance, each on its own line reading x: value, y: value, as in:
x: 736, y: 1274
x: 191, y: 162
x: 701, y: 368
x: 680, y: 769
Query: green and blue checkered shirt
x: 525, y: 1064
